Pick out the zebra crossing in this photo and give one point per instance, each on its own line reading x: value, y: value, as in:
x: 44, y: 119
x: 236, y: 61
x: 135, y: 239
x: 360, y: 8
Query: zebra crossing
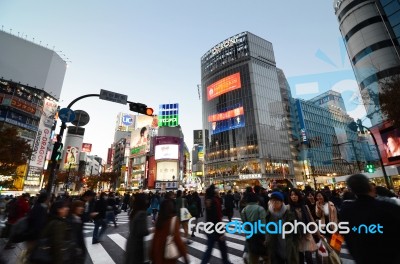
x: 112, y: 249
x: 122, y: 218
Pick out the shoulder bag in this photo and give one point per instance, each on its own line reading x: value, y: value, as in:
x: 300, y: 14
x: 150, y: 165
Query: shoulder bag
x: 184, y: 212
x: 171, y: 250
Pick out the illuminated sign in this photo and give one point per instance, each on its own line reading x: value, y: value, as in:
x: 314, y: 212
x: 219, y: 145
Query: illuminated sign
x: 166, y: 152
x: 168, y: 115
x: 231, y: 117
x: 21, y: 106
x: 249, y: 176
x: 226, y: 115
x: 167, y: 171
x: 86, y: 147
x: 224, y: 85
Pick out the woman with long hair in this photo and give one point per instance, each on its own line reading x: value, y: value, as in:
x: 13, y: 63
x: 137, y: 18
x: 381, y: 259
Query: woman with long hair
x: 302, y: 213
x: 167, y: 224
x: 325, y: 211
x: 137, y: 230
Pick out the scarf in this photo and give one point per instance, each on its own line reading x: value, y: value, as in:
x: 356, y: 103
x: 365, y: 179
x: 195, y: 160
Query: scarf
x: 277, y: 215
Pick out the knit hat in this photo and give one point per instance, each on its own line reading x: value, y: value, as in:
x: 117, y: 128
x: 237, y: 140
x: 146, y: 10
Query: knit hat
x: 277, y: 196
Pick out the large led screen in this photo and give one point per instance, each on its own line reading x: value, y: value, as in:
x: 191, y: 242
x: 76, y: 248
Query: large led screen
x: 167, y: 171
x: 228, y: 118
x: 167, y: 151
x: 224, y: 85
x: 391, y: 143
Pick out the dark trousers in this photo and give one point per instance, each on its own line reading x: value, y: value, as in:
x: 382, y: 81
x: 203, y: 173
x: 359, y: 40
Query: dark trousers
x: 306, y: 256
x: 97, y: 223
x: 211, y: 239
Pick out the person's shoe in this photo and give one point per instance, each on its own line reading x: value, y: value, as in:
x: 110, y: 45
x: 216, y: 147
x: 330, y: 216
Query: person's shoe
x: 193, y: 235
x: 188, y: 242
x: 95, y: 242
x: 115, y: 226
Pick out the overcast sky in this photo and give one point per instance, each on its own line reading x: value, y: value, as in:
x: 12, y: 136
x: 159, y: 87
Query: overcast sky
x: 151, y: 50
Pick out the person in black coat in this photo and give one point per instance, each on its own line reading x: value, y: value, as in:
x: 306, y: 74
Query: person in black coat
x: 229, y: 204
x: 371, y: 246
x: 76, y: 223
x: 37, y: 220
x: 99, y: 216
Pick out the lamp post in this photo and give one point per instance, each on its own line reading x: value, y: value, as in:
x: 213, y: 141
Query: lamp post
x: 353, y: 126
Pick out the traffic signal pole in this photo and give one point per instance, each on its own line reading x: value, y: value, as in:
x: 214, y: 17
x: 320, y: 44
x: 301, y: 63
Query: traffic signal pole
x: 388, y: 181
x: 53, y: 165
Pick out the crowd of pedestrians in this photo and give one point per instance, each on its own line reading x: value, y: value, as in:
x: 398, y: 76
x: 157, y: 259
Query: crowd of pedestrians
x: 58, y: 221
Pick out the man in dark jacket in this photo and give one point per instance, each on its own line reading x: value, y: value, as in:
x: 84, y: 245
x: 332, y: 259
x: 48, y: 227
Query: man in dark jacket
x: 99, y: 215
x: 214, y: 215
x: 375, y: 245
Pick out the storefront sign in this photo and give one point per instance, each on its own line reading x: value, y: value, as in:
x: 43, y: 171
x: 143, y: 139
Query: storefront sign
x: 250, y: 176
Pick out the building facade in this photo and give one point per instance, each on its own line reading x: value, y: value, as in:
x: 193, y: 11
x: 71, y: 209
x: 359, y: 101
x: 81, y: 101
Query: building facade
x: 243, y: 110
x: 31, y: 78
x: 370, y: 29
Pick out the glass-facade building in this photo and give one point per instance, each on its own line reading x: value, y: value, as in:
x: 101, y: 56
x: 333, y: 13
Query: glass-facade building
x: 370, y: 29
x: 244, y: 115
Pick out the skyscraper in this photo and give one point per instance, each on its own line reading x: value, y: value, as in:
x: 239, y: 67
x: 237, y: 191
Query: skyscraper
x: 243, y: 110
x: 371, y: 29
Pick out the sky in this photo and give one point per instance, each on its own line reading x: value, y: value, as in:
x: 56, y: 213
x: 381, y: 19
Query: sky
x: 150, y: 50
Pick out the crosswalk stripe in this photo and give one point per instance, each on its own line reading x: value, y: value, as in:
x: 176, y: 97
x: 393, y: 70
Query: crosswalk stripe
x: 97, y: 253
x: 215, y: 252
x: 119, y: 240
x: 228, y: 243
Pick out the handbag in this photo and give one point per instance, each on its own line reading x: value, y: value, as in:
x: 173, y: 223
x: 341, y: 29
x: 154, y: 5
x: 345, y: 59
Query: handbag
x: 41, y: 252
x: 184, y: 213
x: 326, y: 254
x: 336, y: 242
x: 171, y: 250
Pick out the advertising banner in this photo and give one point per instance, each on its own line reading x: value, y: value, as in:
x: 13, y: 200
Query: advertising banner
x: 167, y: 171
x: 166, y: 152
x: 231, y: 117
x: 224, y: 85
x: 168, y: 115
x: 71, y: 157
x: 86, y: 147
x: 197, y: 136
x: 41, y: 142
x: 391, y: 143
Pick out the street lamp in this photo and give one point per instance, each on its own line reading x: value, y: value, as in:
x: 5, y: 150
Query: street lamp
x: 354, y: 126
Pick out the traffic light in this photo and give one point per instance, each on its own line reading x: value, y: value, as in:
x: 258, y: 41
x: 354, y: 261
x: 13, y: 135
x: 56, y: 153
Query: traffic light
x: 141, y: 109
x: 57, y: 151
x: 370, y: 168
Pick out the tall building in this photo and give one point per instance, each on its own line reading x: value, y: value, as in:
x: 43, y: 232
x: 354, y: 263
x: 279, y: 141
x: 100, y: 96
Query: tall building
x: 31, y: 79
x: 248, y: 142
x: 371, y: 29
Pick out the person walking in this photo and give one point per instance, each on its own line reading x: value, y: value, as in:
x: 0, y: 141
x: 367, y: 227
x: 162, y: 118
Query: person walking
x: 181, y: 202
x: 229, y: 205
x: 99, y: 216
x: 281, y: 250
x: 138, y: 229
x: 367, y: 247
x: 58, y: 233
x: 214, y: 215
x: 236, y: 197
x: 253, y: 213
x: 195, y: 209
x: 76, y: 223
x: 155, y: 206
x: 111, y: 209
x: 303, y: 215
x: 326, y: 212
x: 167, y: 224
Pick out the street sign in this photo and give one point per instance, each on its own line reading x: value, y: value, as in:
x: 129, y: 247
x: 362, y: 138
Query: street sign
x: 66, y: 115
x: 81, y: 118
x: 113, y: 97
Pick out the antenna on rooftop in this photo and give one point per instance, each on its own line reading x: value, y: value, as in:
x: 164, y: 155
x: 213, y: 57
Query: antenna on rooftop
x: 198, y: 90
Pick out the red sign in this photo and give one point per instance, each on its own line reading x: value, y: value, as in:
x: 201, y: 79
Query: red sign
x: 86, y: 147
x: 226, y: 115
x: 227, y: 84
x: 24, y: 107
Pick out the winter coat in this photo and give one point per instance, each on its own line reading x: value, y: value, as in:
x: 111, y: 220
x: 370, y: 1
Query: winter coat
x: 135, y: 243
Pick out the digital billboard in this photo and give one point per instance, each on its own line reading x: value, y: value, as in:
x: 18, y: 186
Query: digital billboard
x: 71, y: 157
x: 168, y: 151
x: 168, y: 115
x: 224, y: 85
x: 228, y: 118
x: 391, y: 142
x: 86, y: 147
x: 167, y: 171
